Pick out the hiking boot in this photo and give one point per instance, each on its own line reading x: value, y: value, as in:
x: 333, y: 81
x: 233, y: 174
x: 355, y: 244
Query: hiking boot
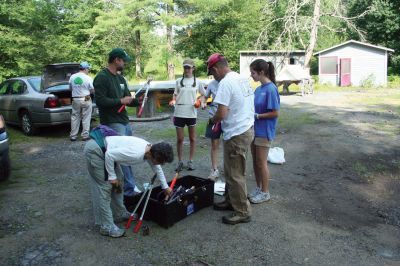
x: 223, y: 206
x: 190, y: 165
x: 236, y: 218
x: 179, y: 167
x: 254, y: 192
x: 260, y: 197
x: 112, y: 231
x: 124, y: 217
x: 214, y: 174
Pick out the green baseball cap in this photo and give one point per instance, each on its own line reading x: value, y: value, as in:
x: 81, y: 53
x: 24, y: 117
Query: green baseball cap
x: 120, y: 53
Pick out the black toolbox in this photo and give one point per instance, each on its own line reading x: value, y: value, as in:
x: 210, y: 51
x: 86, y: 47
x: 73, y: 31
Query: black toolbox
x: 166, y: 214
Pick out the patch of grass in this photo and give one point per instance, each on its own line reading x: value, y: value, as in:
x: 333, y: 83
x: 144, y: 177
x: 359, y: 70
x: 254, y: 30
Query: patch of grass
x: 363, y: 172
x: 170, y: 132
x: 201, y: 128
x: 386, y: 127
x: 293, y: 119
x: 379, y: 101
x: 131, y: 111
x: 45, y: 134
x: 16, y: 136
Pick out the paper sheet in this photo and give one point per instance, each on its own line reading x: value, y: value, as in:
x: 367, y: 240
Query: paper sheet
x: 219, y: 188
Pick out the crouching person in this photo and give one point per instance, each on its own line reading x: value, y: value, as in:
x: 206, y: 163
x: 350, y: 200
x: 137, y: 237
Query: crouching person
x: 106, y: 178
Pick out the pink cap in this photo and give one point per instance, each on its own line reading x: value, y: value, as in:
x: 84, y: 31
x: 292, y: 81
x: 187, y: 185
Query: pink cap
x: 213, y: 59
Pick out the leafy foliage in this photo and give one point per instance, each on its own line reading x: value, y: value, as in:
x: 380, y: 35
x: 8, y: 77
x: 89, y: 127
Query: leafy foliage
x: 36, y: 33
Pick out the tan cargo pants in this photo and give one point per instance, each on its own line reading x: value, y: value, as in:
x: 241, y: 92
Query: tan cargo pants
x: 81, y: 111
x: 235, y: 152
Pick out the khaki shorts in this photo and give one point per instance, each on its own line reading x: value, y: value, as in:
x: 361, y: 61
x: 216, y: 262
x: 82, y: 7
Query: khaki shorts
x: 263, y: 142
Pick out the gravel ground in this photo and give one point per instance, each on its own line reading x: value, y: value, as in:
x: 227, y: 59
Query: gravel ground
x: 334, y: 202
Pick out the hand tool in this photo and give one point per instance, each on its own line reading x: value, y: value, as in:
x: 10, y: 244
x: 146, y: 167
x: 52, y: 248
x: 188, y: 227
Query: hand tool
x: 145, y: 85
x: 139, y: 114
x: 132, y: 216
x: 139, y: 223
x: 171, y: 186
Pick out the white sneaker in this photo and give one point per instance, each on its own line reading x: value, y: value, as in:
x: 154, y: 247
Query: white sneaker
x: 214, y: 174
x: 260, y: 197
x: 254, y: 192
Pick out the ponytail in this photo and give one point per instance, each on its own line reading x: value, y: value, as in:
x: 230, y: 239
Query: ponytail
x: 183, y: 76
x: 271, y: 72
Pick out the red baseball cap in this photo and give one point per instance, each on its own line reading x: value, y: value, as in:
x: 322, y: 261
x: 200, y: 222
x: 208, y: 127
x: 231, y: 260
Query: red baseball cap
x: 212, y: 60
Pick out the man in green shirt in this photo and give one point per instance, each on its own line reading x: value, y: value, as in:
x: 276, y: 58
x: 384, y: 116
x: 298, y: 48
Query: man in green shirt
x: 111, y: 93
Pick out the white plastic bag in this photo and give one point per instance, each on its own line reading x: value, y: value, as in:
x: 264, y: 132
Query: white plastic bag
x: 276, y: 155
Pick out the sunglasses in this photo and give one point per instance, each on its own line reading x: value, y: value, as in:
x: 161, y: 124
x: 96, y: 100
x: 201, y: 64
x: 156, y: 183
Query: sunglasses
x: 187, y: 67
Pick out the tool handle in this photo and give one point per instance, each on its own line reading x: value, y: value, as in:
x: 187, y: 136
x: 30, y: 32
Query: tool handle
x: 139, y: 114
x: 128, y: 224
x: 121, y: 108
x: 216, y: 127
x: 171, y: 186
x: 138, y: 225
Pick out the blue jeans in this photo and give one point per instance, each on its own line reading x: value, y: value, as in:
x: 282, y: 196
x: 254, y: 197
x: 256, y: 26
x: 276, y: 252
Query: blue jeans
x: 129, y: 179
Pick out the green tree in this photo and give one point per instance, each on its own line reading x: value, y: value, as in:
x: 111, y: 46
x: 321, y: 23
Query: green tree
x: 381, y: 25
x: 226, y: 28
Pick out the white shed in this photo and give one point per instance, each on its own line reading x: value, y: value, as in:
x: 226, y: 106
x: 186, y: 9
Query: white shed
x: 353, y: 63
x: 278, y: 58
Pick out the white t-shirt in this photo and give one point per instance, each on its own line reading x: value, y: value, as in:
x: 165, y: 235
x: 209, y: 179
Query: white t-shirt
x: 212, y: 89
x: 235, y: 92
x: 81, y: 84
x: 128, y: 150
x: 186, y: 97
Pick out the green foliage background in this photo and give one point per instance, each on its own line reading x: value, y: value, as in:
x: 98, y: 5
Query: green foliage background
x: 34, y: 33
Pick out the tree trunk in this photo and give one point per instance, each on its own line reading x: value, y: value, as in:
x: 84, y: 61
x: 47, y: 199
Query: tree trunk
x: 170, y: 63
x: 313, y: 34
x: 138, y: 50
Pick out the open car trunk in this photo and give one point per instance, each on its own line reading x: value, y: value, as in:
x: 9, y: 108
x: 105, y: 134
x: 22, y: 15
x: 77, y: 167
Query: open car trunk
x: 55, y: 81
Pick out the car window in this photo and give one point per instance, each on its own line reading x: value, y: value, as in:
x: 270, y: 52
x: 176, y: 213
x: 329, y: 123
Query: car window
x: 17, y: 87
x: 3, y: 88
x: 61, y: 87
x: 35, y: 83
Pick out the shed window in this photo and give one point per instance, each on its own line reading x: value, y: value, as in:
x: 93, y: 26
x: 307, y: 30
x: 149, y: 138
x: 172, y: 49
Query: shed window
x: 328, y: 65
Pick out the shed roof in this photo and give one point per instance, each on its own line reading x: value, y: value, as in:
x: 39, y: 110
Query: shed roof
x: 271, y: 52
x: 356, y: 42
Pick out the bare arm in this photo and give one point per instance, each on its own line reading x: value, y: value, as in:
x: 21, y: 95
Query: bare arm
x: 269, y: 115
x: 221, y: 113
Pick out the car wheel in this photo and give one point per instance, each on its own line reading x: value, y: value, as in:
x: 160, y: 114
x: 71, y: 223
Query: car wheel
x: 5, y: 167
x: 27, y: 125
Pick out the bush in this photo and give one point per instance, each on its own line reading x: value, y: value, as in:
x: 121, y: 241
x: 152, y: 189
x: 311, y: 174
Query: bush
x: 394, y: 81
x: 368, y: 82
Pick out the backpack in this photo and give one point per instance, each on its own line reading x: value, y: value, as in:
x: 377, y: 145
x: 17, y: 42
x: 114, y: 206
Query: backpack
x: 99, y: 133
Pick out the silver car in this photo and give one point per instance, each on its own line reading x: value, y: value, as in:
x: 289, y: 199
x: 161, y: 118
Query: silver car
x: 34, y: 102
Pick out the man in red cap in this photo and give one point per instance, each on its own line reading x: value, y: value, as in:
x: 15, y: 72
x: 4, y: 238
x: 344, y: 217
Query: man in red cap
x: 235, y: 99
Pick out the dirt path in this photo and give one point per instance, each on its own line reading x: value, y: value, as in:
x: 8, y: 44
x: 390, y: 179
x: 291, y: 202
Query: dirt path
x: 335, y: 201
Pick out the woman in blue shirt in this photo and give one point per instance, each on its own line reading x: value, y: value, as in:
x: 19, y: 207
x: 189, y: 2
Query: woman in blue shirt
x: 266, y: 106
